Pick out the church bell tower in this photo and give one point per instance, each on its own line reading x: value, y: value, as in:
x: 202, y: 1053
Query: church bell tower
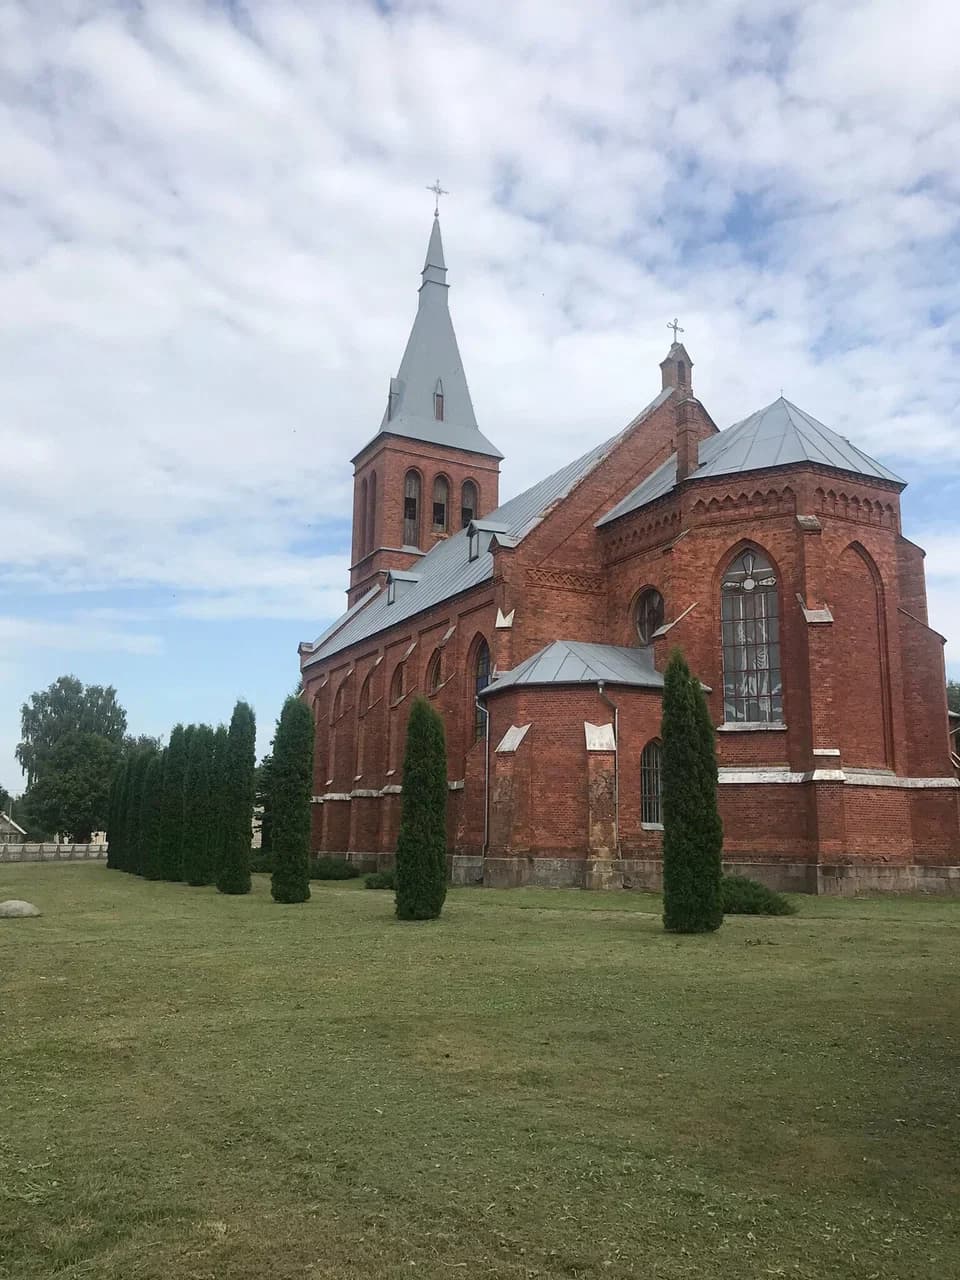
x: 429, y: 470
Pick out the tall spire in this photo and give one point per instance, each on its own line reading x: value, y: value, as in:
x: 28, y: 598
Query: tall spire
x: 429, y: 398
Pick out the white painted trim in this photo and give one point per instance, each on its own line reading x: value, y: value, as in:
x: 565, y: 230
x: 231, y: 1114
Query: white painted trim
x: 651, y: 826
x: 456, y: 786
x: 667, y: 626
x: 866, y: 778
x: 391, y: 790
x: 825, y: 775
x: 728, y: 774
x: 335, y: 795
x: 316, y: 799
x: 736, y: 776
x: 511, y: 739
x: 504, y: 620
x: 826, y: 751
x: 751, y: 726
x: 599, y: 737
x: 814, y: 615
x: 365, y: 793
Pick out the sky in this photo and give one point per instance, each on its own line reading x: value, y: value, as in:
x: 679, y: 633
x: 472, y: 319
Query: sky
x: 213, y: 219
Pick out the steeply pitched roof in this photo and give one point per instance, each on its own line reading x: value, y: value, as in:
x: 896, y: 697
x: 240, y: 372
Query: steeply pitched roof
x: 777, y: 436
x: 447, y: 569
x: 432, y: 362
x: 573, y: 662
x: 5, y: 817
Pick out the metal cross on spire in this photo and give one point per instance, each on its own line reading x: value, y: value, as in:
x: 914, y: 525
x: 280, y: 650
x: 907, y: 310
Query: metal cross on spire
x: 438, y: 191
x: 674, y: 324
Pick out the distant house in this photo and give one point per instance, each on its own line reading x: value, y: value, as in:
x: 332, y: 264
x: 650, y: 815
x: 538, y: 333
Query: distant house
x: 10, y: 832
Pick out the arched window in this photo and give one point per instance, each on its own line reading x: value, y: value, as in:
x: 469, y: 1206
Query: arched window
x: 338, y: 702
x: 438, y: 401
x: 651, y: 785
x: 681, y: 372
x: 371, y: 515
x: 648, y: 614
x: 481, y: 680
x: 435, y: 672
x: 396, y: 684
x: 362, y: 521
x: 411, y: 509
x: 441, y: 499
x: 469, y: 503
x: 752, y: 689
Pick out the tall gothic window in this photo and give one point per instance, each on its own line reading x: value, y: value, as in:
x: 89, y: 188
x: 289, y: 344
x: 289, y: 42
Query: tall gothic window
x: 362, y: 521
x: 651, y: 784
x: 435, y: 672
x: 396, y: 684
x: 648, y: 614
x: 752, y: 689
x: 441, y: 500
x: 411, y: 509
x: 438, y: 401
x: 481, y: 680
x: 469, y: 502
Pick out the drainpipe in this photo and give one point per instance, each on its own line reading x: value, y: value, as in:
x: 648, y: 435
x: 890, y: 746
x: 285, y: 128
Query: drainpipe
x: 486, y: 775
x: 616, y: 757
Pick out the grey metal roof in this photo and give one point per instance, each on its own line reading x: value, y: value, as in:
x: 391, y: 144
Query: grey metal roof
x: 447, y: 569
x: 573, y: 662
x: 777, y: 436
x: 432, y: 357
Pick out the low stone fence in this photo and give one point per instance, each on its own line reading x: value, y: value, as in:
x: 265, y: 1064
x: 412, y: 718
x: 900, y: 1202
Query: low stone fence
x: 51, y: 852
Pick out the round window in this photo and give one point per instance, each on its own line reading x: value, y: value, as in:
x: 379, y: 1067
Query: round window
x: 649, y: 614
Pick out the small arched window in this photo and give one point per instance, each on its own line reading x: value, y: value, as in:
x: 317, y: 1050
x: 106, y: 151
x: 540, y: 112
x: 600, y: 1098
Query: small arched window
x: 438, y: 401
x: 435, y: 672
x: 411, y: 509
x: 752, y: 688
x: 481, y: 680
x: 648, y: 614
x: 396, y: 684
x: 441, y: 500
x: 681, y: 373
x: 469, y: 502
x: 371, y: 514
x: 651, y: 785
x: 362, y: 520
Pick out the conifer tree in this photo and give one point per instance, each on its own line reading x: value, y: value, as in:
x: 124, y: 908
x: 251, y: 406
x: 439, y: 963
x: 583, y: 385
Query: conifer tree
x: 219, y: 771
x: 692, y: 831
x: 133, y: 834
x: 263, y: 799
x: 421, y: 867
x: 171, y: 806
x: 234, y: 871
x: 115, y: 826
x: 199, y: 809
x: 290, y: 778
x: 151, y: 812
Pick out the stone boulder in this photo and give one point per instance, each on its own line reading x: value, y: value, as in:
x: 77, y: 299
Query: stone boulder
x: 15, y: 909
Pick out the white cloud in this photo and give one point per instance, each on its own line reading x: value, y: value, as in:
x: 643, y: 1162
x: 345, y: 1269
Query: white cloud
x: 213, y: 233
x: 75, y: 635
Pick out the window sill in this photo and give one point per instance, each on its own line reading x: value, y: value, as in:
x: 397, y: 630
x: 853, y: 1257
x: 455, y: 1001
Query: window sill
x: 751, y: 726
x: 651, y: 826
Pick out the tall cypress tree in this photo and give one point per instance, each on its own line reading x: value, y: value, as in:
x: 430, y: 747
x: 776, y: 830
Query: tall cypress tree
x: 234, y: 871
x: 134, y: 824
x: 692, y: 832
x: 199, y: 809
x: 422, y: 840
x: 171, y: 806
x: 219, y: 773
x: 263, y: 799
x: 290, y: 778
x: 151, y: 813
x: 118, y: 812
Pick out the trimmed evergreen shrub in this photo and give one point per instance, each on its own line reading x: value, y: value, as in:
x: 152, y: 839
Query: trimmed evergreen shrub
x: 199, y: 809
x: 171, y: 806
x: 740, y: 896
x: 151, y: 811
x: 380, y: 880
x: 219, y: 770
x: 333, y: 869
x: 263, y: 775
x: 118, y: 810
x: 133, y: 832
x: 692, y: 830
x: 238, y: 795
x: 421, y: 864
x: 291, y: 774
x: 261, y: 863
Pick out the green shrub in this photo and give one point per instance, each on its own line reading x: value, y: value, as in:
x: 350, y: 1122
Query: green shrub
x: 742, y: 897
x: 290, y: 776
x: 333, y: 869
x: 422, y: 839
x: 261, y: 862
x: 380, y: 880
x: 237, y: 778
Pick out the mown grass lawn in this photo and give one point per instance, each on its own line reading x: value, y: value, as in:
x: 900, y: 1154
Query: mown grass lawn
x: 540, y: 1084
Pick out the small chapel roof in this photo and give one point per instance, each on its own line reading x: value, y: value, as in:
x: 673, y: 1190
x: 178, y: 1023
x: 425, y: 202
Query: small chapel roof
x: 447, y: 569
x: 432, y: 365
x: 576, y: 662
x: 10, y: 824
x: 779, y: 435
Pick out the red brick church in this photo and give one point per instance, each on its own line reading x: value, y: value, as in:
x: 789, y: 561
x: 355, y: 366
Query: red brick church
x: 770, y: 552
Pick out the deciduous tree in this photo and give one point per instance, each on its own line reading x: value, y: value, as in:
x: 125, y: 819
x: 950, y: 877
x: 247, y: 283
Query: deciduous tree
x: 66, y: 707
x: 71, y: 794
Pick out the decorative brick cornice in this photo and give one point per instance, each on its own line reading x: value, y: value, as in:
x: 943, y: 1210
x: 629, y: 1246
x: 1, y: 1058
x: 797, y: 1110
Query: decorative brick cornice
x: 567, y: 580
